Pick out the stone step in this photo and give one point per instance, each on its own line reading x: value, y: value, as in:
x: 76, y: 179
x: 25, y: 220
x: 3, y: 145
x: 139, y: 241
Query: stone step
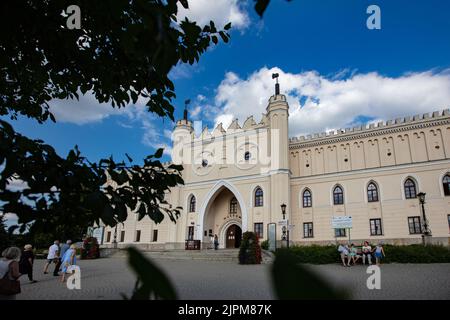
x: 229, y: 255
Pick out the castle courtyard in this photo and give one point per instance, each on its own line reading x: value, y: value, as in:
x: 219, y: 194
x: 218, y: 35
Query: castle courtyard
x: 108, y: 278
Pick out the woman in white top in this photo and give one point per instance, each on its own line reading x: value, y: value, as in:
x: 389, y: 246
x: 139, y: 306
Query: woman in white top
x: 9, y: 267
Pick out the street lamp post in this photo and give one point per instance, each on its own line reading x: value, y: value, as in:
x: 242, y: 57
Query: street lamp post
x: 115, y: 237
x: 426, y: 231
x: 286, y: 227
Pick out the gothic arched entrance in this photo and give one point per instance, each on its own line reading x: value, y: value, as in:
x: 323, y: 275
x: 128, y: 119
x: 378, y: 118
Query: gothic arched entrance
x: 224, y: 215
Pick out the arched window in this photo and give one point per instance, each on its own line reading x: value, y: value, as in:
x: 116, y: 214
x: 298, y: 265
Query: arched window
x: 410, y: 189
x: 192, y: 204
x: 446, y: 184
x: 307, y: 199
x: 233, y: 205
x: 338, y: 195
x: 259, y: 197
x: 372, y: 192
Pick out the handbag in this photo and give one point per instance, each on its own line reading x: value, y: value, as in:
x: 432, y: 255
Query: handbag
x: 9, y: 287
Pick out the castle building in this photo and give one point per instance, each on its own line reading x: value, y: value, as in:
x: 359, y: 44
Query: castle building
x: 237, y: 179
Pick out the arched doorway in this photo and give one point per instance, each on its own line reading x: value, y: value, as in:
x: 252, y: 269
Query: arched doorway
x: 233, y: 237
x: 222, y: 208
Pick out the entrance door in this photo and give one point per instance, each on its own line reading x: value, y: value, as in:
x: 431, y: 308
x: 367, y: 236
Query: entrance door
x: 233, y: 237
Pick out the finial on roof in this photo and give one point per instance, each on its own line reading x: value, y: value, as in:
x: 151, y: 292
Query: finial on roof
x: 185, y: 114
x: 277, y: 85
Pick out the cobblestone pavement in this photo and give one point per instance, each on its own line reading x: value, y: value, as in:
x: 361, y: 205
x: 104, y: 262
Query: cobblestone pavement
x: 107, y: 278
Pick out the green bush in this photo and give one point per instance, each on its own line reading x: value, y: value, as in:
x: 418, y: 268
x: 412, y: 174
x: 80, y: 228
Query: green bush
x: 265, y: 245
x: 316, y: 254
x: 416, y: 253
x: 250, y: 251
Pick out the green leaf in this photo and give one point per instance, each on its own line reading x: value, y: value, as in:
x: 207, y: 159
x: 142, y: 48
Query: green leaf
x: 159, y: 153
x: 223, y: 36
x: 214, y: 39
x: 227, y: 26
x: 294, y: 281
x: 261, y: 6
x: 129, y: 158
x: 152, y: 281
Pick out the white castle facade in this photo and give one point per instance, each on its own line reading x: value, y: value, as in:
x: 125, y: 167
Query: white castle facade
x: 237, y: 179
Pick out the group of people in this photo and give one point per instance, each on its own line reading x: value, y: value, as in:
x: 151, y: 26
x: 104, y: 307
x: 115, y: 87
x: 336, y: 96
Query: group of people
x: 14, y: 263
x: 62, y: 256
x: 352, y: 255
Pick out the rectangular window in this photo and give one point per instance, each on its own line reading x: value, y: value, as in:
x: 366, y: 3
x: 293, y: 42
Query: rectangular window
x: 155, y: 236
x: 122, y: 236
x: 138, y: 236
x: 339, y: 233
x: 191, y: 233
x: 205, y: 233
x: 415, y: 227
x: 259, y: 230
x: 375, y: 227
x: 338, y: 198
x: 108, y: 236
x: 308, y: 230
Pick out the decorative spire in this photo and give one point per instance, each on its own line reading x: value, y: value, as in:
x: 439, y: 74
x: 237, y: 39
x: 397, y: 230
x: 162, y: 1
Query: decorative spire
x: 277, y: 85
x: 185, y: 114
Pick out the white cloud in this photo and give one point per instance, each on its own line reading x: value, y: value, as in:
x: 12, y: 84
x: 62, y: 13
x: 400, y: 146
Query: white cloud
x: 85, y: 110
x: 219, y: 11
x: 318, y: 103
x: 88, y: 110
x: 194, y: 112
x: 154, y: 135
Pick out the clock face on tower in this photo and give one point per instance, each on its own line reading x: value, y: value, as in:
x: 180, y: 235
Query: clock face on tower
x: 203, y: 163
x: 246, y: 155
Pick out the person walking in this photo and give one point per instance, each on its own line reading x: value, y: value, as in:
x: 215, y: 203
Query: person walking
x: 26, y: 262
x: 69, y: 259
x: 9, y: 273
x: 53, y: 256
x: 65, y: 247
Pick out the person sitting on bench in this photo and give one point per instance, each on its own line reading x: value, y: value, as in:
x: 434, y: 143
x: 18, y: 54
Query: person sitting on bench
x: 366, y: 252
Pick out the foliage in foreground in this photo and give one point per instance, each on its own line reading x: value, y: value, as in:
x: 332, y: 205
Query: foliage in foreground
x: 152, y: 282
x: 290, y: 280
x: 294, y: 281
x: 124, y: 51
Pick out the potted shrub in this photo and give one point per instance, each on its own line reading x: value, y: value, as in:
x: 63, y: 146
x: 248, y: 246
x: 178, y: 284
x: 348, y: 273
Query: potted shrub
x: 90, y: 249
x: 250, y: 251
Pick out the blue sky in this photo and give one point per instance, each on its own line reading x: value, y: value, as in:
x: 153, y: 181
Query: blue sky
x: 334, y: 70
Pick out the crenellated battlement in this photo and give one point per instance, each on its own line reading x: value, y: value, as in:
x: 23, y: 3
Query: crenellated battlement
x: 417, y: 119
x: 234, y: 127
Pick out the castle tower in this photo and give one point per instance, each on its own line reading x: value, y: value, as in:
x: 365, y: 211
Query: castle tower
x: 278, y: 114
x: 182, y: 134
